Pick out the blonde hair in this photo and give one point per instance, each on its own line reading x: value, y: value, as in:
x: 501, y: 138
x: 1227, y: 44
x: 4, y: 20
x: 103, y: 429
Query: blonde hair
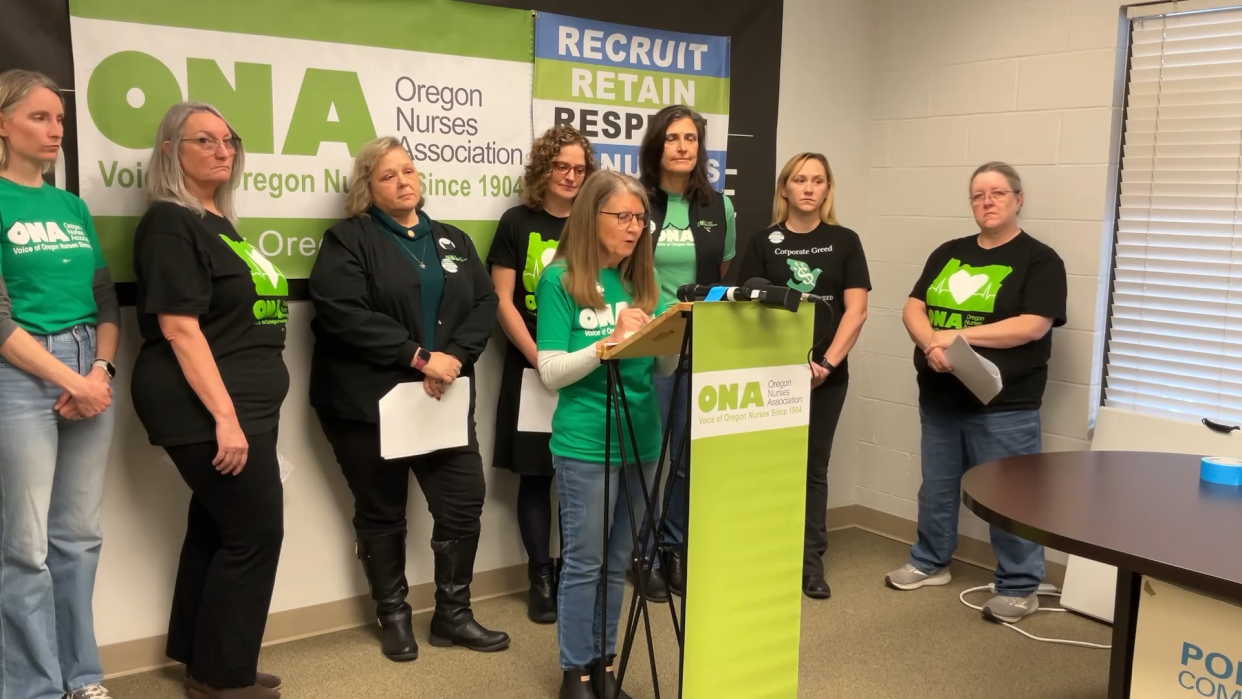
x: 358, y: 199
x: 543, y: 152
x: 580, y: 248
x: 166, y: 179
x: 780, y: 205
x: 15, y: 86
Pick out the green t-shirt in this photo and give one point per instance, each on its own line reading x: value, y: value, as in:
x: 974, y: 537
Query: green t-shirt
x: 577, y: 424
x: 48, y: 257
x: 674, y: 253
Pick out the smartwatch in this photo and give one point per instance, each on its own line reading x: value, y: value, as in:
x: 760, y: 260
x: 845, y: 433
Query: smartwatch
x: 823, y: 361
x: 421, y: 357
x: 107, y: 366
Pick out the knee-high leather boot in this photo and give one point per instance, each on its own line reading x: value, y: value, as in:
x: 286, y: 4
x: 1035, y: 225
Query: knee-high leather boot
x: 453, y: 622
x: 383, y: 559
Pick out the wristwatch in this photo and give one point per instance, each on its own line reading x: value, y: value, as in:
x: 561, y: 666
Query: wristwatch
x: 823, y: 361
x: 106, y: 366
x: 421, y: 357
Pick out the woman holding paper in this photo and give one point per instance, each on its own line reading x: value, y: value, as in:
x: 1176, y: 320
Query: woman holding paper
x: 694, y: 233
x: 1002, y: 292
x: 400, y: 299
x: 807, y: 250
x: 208, y: 385
x: 601, y: 288
x: 560, y: 161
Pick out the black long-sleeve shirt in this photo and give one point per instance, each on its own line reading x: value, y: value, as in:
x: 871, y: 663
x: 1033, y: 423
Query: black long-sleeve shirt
x: 369, y: 318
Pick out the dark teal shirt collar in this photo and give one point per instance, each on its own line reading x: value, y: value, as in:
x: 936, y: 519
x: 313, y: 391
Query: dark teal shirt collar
x: 423, y: 227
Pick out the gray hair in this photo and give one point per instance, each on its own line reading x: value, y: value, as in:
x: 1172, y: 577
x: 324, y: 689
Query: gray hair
x: 358, y: 199
x: 15, y: 86
x: 165, y: 178
x: 1015, y: 182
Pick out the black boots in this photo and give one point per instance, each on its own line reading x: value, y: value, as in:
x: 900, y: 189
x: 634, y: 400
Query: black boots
x: 577, y: 685
x: 603, y: 668
x: 453, y: 623
x: 815, y: 587
x: 675, y: 571
x: 383, y: 559
x: 656, y: 591
x: 541, y: 608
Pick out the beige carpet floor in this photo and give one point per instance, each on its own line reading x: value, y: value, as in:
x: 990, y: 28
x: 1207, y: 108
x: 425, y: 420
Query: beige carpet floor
x: 867, y: 641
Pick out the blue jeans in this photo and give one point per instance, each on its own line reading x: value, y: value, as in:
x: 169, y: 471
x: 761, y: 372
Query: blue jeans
x: 579, y: 609
x: 674, y: 532
x: 51, y: 493
x: 952, y: 445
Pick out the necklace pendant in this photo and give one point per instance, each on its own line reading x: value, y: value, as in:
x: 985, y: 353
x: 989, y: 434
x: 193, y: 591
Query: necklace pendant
x: 410, y: 234
x: 422, y: 266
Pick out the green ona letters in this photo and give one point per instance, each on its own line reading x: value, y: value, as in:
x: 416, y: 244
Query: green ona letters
x: 248, y: 106
x: 962, y: 289
x: 730, y: 397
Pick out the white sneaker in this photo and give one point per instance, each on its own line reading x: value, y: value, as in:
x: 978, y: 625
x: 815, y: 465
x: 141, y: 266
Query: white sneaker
x: 95, y: 691
x: 1010, y: 610
x: 910, y: 578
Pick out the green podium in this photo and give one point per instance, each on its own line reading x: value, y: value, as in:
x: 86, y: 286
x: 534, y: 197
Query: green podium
x: 748, y: 419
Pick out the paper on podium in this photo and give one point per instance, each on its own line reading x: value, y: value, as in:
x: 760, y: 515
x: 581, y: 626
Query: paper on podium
x: 536, y: 404
x: 414, y: 423
x: 976, y: 373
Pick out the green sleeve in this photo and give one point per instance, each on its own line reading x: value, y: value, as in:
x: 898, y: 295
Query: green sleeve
x: 100, y: 262
x: 555, y: 312
x: 661, y: 305
x: 730, y: 229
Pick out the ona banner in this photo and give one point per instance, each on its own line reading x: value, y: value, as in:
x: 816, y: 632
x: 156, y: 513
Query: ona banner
x: 305, y: 84
x: 607, y: 80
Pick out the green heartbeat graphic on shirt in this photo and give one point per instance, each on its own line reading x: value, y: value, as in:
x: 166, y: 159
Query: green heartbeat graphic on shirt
x: 964, y: 288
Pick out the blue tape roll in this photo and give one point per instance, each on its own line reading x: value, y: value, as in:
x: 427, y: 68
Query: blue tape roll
x: 1221, y: 470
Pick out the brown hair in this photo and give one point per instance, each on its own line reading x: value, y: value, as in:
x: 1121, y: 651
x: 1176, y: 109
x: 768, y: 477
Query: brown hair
x: 651, y: 154
x: 15, y: 86
x: 542, y: 152
x: 580, y: 248
x: 358, y: 199
x: 780, y: 205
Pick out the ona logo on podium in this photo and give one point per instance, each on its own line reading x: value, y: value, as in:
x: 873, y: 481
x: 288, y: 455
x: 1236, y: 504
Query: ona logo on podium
x: 738, y: 401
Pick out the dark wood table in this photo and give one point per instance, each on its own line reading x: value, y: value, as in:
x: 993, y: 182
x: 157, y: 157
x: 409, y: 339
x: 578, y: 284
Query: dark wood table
x: 1145, y: 513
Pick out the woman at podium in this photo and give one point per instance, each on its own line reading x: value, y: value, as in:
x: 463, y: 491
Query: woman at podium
x: 694, y: 232
x: 526, y: 237
x: 807, y: 250
x: 600, y: 288
x: 400, y: 298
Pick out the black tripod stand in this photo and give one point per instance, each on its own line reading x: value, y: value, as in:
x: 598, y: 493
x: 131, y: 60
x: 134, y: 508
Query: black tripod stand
x: 643, y: 560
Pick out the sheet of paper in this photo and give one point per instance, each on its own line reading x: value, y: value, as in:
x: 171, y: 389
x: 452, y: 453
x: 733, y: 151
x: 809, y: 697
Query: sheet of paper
x: 286, y: 467
x: 414, y: 423
x: 537, y: 403
x: 976, y: 373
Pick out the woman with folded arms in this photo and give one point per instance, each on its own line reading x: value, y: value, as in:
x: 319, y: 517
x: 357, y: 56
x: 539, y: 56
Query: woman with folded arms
x: 401, y: 298
x: 694, y: 233
x: 560, y: 160
x: 600, y: 288
x: 808, y: 251
x: 1002, y: 291
x: 208, y: 385
x: 59, y: 324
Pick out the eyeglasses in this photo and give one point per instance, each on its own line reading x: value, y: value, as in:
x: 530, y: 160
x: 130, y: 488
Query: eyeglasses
x: 998, y: 196
x: 210, y: 144
x: 561, y: 168
x: 624, y: 218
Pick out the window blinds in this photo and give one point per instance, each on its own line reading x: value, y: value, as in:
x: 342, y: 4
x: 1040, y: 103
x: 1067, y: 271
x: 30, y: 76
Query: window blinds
x: 1175, y: 342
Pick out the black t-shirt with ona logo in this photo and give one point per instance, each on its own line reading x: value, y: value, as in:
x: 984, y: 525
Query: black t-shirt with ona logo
x: 200, y: 266
x: 965, y: 285
x: 825, y: 262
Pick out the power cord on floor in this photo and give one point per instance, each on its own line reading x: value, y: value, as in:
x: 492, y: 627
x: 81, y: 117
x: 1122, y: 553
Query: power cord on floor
x: 1044, y: 591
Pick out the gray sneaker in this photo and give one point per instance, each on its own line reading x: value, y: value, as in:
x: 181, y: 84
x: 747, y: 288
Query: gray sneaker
x: 95, y: 691
x: 1010, y: 610
x: 908, y: 577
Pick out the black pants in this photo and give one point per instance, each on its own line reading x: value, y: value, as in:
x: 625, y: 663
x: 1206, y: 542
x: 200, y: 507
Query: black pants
x: 826, y: 404
x: 228, y: 562
x: 452, y: 482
